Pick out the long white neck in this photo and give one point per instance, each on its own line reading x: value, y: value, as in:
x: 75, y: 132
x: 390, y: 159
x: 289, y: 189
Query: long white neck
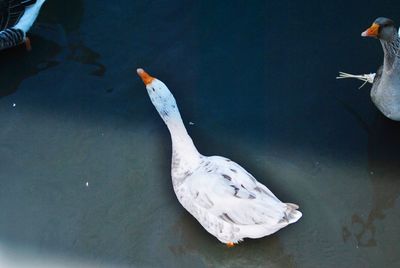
x: 183, y: 148
x: 182, y: 144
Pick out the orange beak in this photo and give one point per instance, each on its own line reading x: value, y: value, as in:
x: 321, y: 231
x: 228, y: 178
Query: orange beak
x: 147, y: 79
x: 372, y: 31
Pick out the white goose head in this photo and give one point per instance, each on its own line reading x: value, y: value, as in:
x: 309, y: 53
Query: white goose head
x: 184, y: 150
x: 160, y: 96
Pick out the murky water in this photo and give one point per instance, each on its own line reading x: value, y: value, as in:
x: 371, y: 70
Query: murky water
x: 85, y: 158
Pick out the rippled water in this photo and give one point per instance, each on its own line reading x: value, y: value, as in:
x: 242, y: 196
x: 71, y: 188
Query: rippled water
x: 85, y: 158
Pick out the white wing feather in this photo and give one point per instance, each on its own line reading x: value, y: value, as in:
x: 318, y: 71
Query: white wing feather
x: 236, y: 197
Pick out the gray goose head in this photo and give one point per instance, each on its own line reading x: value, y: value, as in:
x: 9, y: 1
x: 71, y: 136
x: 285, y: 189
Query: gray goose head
x: 382, y: 29
x: 385, y: 30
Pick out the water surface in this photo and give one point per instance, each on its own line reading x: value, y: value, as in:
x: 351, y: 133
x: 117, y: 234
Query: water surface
x: 85, y: 158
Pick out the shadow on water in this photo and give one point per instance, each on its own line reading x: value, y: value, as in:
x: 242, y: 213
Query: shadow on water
x: 67, y: 13
x: 82, y: 54
x: 17, y: 64
x: 384, y: 174
x: 69, y: 34
x: 195, y: 241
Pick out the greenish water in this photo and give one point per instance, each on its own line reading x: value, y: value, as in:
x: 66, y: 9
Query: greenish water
x: 85, y: 158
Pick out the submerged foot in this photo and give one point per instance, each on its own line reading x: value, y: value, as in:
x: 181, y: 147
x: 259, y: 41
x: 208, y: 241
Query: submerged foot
x: 230, y: 244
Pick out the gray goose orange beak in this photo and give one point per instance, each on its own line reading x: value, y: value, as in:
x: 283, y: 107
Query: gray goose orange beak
x: 372, y: 31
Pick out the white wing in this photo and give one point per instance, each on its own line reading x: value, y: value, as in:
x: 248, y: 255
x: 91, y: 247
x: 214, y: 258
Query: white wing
x: 233, y: 195
x: 240, y: 176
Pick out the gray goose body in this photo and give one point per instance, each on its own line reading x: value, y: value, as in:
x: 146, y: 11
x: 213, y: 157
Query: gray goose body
x: 385, y: 92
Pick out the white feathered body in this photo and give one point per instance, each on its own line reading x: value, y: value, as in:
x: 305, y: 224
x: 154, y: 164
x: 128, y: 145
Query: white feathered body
x: 226, y: 200
x: 229, y: 202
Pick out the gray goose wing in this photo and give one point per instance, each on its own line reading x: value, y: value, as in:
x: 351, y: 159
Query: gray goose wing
x: 377, y: 78
x: 11, y: 12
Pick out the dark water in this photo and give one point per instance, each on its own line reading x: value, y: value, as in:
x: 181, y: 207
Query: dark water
x: 257, y: 79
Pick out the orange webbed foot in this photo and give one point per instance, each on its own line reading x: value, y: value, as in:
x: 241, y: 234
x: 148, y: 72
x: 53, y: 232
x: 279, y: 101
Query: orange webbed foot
x: 230, y: 244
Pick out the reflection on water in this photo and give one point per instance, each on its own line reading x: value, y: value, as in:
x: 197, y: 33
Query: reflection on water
x: 81, y: 53
x: 384, y: 174
x: 197, y: 243
x: 18, y: 64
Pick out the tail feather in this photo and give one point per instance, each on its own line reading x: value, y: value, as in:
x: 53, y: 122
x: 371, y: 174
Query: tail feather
x: 292, y: 214
x: 293, y: 206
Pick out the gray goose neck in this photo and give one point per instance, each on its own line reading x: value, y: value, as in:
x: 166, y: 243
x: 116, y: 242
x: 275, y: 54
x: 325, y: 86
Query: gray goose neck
x: 391, y: 50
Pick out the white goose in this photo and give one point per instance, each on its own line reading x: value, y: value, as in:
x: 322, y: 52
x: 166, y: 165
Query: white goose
x: 16, y: 18
x: 227, y: 201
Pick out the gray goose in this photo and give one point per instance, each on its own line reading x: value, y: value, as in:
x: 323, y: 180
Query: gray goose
x: 16, y: 18
x: 385, y: 92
